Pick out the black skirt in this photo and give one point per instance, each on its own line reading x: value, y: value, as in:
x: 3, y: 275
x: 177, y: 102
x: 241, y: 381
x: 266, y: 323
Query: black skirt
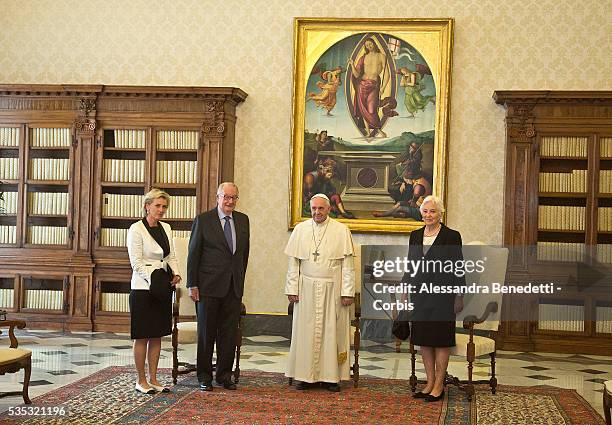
x: 433, y: 334
x: 150, y: 317
x: 433, y: 320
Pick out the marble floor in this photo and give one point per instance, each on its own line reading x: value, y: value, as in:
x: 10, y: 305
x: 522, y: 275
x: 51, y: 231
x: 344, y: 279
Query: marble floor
x: 62, y: 358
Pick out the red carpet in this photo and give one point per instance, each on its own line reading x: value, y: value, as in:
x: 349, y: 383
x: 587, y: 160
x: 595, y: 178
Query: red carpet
x: 108, y: 397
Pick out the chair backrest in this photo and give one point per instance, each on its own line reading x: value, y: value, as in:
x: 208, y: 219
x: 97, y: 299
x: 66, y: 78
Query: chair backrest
x: 358, y: 271
x: 494, y: 272
x: 358, y: 280
x: 186, y: 304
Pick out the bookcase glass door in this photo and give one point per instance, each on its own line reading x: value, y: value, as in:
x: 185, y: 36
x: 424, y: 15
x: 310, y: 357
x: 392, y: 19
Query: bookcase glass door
x: 49, y: 167
x: 45, y: 294
x: 7, y: 293
x: 562, y: 179
x: 113, y: 297
x: 603, y: 317
x: 176, y: 172
x: 604, y: 200
x: 9, y: 178
x: 124, y: 179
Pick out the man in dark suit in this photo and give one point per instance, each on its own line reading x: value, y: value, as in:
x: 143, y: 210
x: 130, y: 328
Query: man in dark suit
x: 216, y: 266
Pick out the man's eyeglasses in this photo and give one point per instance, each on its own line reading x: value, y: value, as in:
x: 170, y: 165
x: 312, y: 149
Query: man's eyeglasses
x: 229, y: 198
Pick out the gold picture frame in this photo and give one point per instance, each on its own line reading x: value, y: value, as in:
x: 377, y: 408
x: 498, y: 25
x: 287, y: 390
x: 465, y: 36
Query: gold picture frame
x: 370, y: 123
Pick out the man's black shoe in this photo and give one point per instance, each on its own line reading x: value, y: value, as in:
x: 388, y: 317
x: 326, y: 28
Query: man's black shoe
x: 334, y: 388
x: 301, y: 385
x: 206, y: 386
x: 228, y: 385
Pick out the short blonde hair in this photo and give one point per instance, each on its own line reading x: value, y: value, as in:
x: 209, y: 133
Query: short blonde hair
x: 436, y: 201
x: 152, y: 195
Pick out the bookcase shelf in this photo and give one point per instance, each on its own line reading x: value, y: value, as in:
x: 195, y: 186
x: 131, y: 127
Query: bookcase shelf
x: 179, y: 151
x: 564, y: 158
x: 562, y: 195
x: 121, y: 184
x: 58, y: 165
x: 111, y: 149
x: 164, y: 185
x: 40, y: 182
x: 556, y: 171
x: 48, y: 149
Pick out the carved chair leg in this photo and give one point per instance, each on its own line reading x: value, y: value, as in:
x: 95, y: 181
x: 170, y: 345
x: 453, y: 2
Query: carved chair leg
x: 413, y: 379
x: 493, y: 381
x: 356, y: 343
x: 290, y: 381
x: 238, y: 347
x: 469, y: 388
x: 175, y: 362
x: 27, y: 371
x: 607, y: 404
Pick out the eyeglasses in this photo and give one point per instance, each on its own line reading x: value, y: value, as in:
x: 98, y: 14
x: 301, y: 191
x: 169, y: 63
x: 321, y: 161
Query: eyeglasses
x: 228, y: 197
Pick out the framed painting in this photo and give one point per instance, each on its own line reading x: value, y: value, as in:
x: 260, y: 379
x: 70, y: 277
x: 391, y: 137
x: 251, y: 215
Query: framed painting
x: 371, y: 103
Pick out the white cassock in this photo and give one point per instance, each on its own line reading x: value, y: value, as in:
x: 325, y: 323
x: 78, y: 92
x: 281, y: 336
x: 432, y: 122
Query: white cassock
x: 320, y: 335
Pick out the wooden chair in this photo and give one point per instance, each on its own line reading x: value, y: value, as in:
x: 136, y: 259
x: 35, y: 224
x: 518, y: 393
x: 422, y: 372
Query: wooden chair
x: 481, y: 312
x: 185, y: 325
x: 13, y: 359
x: 607, y: 401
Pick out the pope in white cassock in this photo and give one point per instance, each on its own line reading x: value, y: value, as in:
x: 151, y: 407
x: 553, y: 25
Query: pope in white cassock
x: 321, y: 284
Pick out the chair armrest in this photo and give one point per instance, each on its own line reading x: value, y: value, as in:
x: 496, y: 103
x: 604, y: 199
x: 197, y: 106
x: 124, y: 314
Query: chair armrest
x: 470, y: 321
x: 12, y: 324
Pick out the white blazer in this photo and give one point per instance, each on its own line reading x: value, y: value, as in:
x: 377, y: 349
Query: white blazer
x: 146, y: 255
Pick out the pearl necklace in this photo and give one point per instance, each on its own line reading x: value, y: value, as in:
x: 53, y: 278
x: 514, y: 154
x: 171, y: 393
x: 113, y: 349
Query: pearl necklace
x: 434, y: 233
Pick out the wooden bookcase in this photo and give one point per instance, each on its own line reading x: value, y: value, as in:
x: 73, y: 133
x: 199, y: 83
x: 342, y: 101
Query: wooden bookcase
x: 558, y: 220
x: 75, y: 161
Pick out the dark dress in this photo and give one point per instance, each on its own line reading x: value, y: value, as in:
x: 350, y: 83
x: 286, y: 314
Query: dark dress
x: 151, y: 317
x: 433, y: 318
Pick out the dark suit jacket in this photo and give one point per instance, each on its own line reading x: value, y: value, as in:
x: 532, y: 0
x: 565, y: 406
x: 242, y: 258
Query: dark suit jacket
x: 447, y: 246
x: 210, y: 263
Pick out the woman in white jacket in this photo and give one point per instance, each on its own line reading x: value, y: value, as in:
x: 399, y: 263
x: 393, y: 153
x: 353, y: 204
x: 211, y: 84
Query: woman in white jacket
x: 149, y: 243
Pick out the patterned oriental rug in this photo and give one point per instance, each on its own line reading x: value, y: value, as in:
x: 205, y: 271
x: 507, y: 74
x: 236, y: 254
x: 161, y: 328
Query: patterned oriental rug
x: 108, y: 397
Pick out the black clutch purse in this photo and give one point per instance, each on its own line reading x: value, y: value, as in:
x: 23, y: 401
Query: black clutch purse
x: 401, y: 326
x: 160, y: 284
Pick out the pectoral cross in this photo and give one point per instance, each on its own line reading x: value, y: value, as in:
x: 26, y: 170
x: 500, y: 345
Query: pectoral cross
x: 316, y: 255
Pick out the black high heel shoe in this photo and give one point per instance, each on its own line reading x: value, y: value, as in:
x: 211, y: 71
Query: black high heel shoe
x: 420, y: 394
x: 430, y: 398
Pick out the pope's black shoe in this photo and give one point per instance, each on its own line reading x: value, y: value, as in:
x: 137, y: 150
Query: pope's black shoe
x: 333, y: 387
x: 301, y: 385
x: 206, y: 386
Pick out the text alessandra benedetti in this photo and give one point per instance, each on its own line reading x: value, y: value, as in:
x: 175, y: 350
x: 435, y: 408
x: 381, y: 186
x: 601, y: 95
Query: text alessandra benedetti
x: 492, y: 288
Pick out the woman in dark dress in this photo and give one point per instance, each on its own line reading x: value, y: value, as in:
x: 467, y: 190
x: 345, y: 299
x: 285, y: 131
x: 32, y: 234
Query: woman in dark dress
x: 433, y: 325
x: 150, y: 247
